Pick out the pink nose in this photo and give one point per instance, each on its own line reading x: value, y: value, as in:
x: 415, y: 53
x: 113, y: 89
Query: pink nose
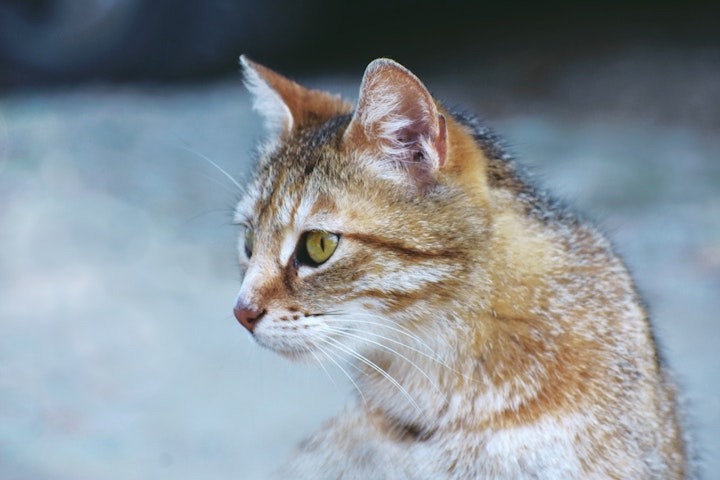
x: 248, y: 316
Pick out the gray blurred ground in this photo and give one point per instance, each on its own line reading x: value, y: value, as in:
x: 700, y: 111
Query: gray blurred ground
x: 119, y: 355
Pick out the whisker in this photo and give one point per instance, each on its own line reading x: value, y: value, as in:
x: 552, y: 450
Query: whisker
x: 218, y: 167
x: 219, y: 183
x: 385, y: 347
x: 375, y: 367
x: 329, y: 356
x: 199, y: 215
x: 397, y: 342
x: 399, y: 328
x: 322, y: 365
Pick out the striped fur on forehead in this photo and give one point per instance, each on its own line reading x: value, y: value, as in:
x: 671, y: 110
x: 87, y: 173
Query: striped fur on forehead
x: 282, y: 173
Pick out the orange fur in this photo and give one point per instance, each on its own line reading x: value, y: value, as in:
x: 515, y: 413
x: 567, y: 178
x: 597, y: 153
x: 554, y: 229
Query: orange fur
x: 490, y: 333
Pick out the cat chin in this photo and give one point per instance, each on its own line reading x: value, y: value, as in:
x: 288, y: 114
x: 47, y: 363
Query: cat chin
x: 298, y: 356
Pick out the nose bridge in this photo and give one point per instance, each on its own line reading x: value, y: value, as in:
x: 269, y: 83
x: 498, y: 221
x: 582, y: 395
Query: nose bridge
x: 249, y: 308
x: 249, y: 291
x: 260, y: 283
x: 258, y: 293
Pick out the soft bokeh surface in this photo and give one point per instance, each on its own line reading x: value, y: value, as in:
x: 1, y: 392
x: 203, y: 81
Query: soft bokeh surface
x: 119, y: 355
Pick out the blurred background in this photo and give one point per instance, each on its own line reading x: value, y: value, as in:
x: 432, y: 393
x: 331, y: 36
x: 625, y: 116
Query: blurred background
x: 121, y: 121
x: 66, y: 41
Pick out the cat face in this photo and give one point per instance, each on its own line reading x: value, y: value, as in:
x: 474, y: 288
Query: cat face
x: 350, y: 235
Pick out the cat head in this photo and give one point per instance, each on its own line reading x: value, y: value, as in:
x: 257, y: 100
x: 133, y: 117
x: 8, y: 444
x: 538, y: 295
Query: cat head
x: 361, y: 226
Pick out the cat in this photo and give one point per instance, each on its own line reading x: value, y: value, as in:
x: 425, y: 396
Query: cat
x: 488, y: 330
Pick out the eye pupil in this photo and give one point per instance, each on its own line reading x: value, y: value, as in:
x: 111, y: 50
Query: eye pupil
x: 316, y: 247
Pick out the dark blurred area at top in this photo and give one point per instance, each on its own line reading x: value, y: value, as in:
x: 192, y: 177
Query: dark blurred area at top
x: 56, y: 42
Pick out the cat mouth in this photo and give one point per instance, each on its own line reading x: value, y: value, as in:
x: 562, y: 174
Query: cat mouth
x: 306, y: 338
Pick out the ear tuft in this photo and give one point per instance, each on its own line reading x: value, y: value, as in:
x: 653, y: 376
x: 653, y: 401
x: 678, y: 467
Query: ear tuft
x: 397, y: 117
x: 266, y: 99
x: 284, y: 104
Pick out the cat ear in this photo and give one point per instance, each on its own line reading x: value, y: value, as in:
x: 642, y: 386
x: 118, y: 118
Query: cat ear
x: 397, y: 117
x: 284, y: 104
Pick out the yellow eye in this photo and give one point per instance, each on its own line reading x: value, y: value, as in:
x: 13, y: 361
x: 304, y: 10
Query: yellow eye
x: 249, y: 238
x: 319, y: 246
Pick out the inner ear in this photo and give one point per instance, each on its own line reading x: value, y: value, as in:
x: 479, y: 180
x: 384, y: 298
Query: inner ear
x: 397, y: 116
